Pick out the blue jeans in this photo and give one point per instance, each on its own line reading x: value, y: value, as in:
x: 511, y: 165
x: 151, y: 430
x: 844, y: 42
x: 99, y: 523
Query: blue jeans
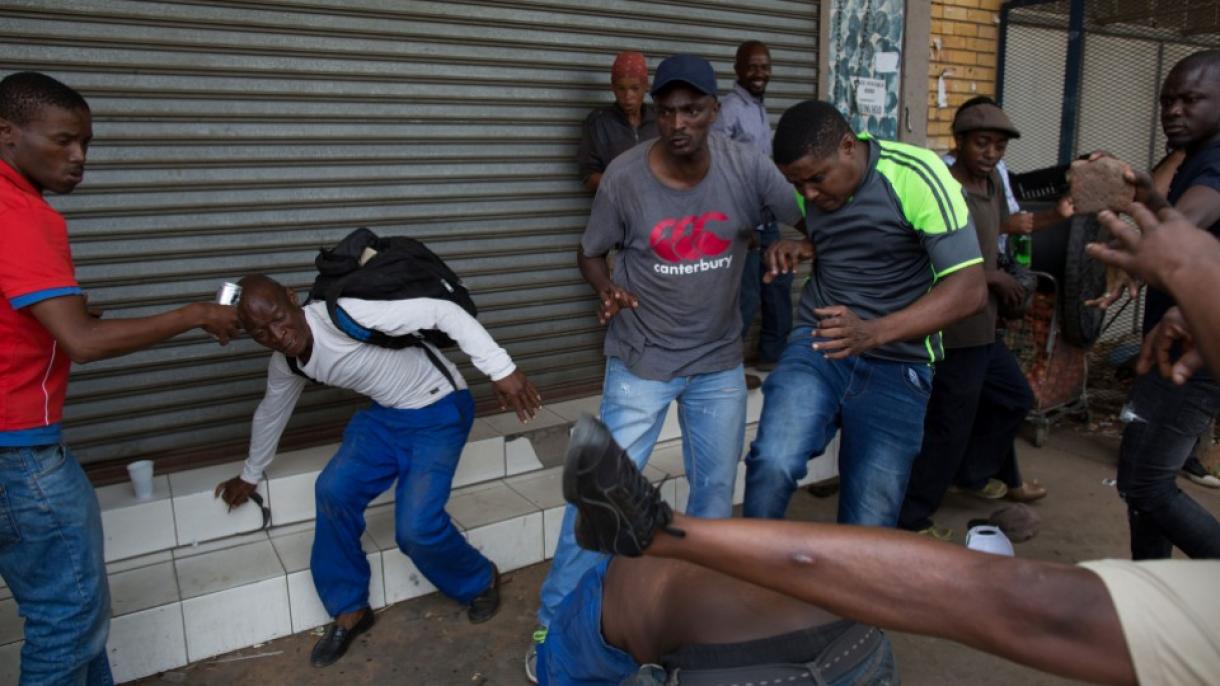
x: 878, y: 404
x: 775, y: 298
x: 420, y: 448
x: 1157, y: 440
x: 712, y: 413
x: 51, y: 559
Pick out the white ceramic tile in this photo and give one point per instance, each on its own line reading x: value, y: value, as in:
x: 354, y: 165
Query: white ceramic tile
x: 511, y: 544
x: 552, y: 523
x: 210, y: 573
x: 543, y: 488
x: 481, y: 461
x: 739, y: 486
x: 200, y: 516
x: 669, y: 492
x: 387, y: 496
x: 379, y: 526
x: 137, y: 562
x: 754, y: 405
x: 10, y: 663
x: 487, y: 503
x: 305, y: 608
x: 11, y: 623
x: 481, y: 430
x: 143, y: 588
x: 295, y: 502
x: 224, y: 621
x: 132, y: 527
x: 519, y: 457
x: 293, y: 496
x: 572, y: 410
x: 146, y: 642
x: 507, y: 424
x: 403, y: 580
x: 824, y: 466
x: 671, y: 429
x: 122, y: 495
x: 667, y: 457
x: 183, y: 552
x: 306, y: 461
x: 681, y: 493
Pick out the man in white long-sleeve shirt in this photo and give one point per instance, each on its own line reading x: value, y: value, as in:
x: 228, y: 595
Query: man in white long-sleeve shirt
x: 413, y: 433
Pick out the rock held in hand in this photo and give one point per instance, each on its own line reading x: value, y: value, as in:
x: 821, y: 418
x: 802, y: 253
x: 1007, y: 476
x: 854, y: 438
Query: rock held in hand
x: 1099, y: 185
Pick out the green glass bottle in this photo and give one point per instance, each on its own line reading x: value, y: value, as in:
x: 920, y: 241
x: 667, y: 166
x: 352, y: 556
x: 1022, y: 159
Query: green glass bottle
x: 1023, y: 249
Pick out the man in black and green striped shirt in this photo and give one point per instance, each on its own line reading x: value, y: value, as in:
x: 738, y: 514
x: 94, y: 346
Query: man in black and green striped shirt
x: 895, y: 260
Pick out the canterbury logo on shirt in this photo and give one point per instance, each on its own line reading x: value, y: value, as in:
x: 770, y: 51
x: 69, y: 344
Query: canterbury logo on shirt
x: 687, y: 238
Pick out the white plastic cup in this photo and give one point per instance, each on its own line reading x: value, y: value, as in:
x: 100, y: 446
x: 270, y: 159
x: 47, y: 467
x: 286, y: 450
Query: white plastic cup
x: 141, y: 473
x: 987, y: 538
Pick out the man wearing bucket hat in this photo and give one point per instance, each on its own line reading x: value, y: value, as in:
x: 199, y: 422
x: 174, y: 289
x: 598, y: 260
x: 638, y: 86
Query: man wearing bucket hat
x: 680, y: 211
x: 979, y: 395
x: 50, y: 524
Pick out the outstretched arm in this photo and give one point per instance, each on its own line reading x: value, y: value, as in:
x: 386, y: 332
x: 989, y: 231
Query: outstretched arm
x: 1053, y: 617
x: 87, y: 338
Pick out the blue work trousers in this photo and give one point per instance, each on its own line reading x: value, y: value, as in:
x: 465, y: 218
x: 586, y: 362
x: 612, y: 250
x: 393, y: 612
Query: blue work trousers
x: 420, y: 448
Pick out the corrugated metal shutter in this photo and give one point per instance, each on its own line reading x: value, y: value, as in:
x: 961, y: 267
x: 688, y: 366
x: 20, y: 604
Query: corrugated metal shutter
x: 233, y: 137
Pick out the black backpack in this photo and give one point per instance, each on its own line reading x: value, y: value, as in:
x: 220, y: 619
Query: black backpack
x: 403, y: 268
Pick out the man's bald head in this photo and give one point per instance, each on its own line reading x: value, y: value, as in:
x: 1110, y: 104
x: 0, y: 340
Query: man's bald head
x: 271, y: 314
x: 260, y: 289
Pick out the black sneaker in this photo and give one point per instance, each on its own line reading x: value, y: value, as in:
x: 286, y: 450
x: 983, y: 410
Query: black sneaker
x: 618, y: 511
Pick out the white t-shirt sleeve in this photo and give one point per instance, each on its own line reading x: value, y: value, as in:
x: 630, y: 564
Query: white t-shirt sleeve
x: 401, y: 317
x: 1170, y: 614
x: 283, y: 390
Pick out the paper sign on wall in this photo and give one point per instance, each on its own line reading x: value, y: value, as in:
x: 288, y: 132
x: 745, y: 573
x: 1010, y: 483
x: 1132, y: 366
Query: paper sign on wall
x: 870, y: 96
x: 885, y: 63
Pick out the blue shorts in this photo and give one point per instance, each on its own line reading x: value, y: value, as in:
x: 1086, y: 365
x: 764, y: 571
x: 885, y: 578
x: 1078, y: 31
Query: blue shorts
x: 575, y: 651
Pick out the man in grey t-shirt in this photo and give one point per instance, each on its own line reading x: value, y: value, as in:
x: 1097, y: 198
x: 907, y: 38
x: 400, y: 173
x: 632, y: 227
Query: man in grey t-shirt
x: 679, y: 210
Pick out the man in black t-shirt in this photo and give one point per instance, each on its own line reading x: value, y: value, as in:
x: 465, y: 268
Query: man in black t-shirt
x: 1163, y: 420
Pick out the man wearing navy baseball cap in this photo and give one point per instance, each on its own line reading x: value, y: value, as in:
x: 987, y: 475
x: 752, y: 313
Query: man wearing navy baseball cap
x: 680, y: 210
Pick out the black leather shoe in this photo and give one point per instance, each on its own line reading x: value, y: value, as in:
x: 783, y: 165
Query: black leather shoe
x: 617, y: 510
x: 486, y: 604
x: 335, y: 641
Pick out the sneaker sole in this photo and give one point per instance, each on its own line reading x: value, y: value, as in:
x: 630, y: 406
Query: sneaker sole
x: 584, y: 433
x: 582, y: 458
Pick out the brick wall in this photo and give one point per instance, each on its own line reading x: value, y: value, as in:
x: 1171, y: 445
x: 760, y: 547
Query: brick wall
x: 968, y: 32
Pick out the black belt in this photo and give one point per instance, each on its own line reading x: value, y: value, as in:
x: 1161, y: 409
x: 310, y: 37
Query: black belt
x: 841, y: 656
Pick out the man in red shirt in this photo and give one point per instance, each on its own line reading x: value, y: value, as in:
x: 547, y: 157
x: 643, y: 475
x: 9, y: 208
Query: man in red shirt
x: 50, y: 524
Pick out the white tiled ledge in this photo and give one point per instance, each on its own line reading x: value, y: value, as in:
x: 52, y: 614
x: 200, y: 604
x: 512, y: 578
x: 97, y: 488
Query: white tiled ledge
x: 186, y: 603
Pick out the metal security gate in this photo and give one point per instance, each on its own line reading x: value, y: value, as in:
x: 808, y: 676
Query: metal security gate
x: 1084, y: 75
x: 233, y: 137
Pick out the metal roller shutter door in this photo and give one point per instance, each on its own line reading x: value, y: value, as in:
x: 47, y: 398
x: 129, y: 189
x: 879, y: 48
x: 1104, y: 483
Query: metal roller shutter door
x: 233, y: 137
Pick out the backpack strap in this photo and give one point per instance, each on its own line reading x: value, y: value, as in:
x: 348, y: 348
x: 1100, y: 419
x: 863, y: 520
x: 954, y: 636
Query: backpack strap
x: 361, y: 333
x: 296, y: 369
